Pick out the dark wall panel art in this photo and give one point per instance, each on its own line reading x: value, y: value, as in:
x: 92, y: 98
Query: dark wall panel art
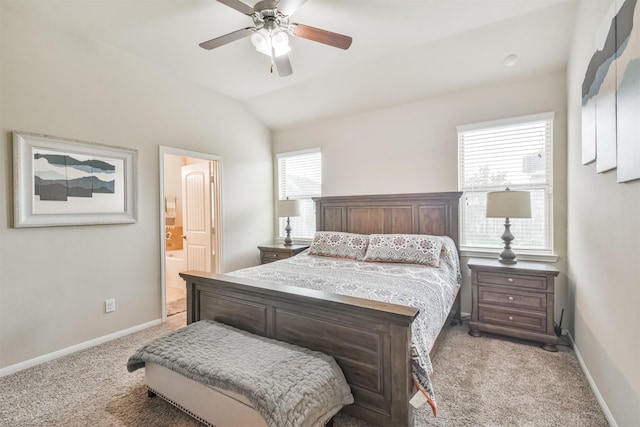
x: 611, y: 95
x: 628, y: 30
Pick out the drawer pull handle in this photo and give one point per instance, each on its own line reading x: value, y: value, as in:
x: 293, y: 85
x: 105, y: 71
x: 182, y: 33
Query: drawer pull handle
x: 510, y: 317
x: 510, y: 298
x: 510, y: 280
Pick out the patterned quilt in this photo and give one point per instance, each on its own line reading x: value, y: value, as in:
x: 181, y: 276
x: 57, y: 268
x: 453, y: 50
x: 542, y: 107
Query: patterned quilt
x: 432, y: 290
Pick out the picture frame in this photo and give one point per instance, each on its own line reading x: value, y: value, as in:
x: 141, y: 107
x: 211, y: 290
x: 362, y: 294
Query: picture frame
x: 66, y: 182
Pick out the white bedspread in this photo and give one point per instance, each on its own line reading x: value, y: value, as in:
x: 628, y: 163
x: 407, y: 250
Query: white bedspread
x: 432, y: 290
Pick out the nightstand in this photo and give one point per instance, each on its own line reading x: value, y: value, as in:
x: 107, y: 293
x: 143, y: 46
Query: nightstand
x: 513, y: 299
x: 275, y: 252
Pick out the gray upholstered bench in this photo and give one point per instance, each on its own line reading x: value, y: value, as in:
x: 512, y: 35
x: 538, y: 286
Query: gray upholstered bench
x: 228, y: 377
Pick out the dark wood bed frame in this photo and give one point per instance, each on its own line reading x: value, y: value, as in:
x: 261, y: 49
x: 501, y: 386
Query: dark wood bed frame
x: 370, y: 340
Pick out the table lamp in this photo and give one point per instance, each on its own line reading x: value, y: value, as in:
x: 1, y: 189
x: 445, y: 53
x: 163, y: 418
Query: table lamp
x: 508, y: 204
x: 288, y: 208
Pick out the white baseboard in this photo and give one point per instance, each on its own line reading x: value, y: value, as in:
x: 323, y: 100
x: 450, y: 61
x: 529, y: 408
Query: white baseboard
x: 65, y: 351
x: 603, y: 405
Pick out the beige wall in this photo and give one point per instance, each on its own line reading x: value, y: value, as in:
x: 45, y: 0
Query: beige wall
x: 414, y: 147
x: 53, y: 281
x: 604, y: 251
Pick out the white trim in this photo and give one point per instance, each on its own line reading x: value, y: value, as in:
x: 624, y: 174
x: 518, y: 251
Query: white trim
x: 296, y: 241
x: 276, y: 194
x: 506, y: 122
x: 494, y: 127
x: 603, y: 405
x: 74, y: 348
x: 163, y: 150
x: 298, y: 152
x: 523, y: 256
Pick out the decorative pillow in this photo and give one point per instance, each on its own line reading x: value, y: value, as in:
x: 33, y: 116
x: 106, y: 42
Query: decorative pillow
x: 339, y: 245
x: 404, y: 248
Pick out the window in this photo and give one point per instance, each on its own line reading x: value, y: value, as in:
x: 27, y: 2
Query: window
x: 300, y: 177
x: 514, y: 153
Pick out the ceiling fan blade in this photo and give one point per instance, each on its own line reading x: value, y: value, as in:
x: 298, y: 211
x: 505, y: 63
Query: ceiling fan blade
x: 227, y: 38
x: 239, y: 6
x: 283, y: 65
x: 321, y: 36
x: 288, y: 7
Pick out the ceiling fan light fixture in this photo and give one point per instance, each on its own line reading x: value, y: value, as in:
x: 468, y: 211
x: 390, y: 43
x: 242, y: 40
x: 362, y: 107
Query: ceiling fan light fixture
x: 280, y: 42
x: 260, y: 40
x: 268, y: 42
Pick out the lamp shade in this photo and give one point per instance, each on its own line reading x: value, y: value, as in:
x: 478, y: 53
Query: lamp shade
x: 288, y: 208
x: 508, y: 204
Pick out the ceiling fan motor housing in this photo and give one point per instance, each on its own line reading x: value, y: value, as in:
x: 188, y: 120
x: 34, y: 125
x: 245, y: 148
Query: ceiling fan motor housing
x: 265, y: 5
x: 268, y: 17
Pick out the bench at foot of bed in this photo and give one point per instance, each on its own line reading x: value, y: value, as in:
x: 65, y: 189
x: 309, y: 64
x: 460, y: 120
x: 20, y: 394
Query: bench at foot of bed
x: 223, y: 376
x: 211, y: 405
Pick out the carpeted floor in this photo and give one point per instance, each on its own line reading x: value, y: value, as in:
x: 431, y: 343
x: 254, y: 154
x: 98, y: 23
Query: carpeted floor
x: 487, y: 381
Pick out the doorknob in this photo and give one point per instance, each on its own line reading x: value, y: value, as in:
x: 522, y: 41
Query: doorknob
x: 184, y: 237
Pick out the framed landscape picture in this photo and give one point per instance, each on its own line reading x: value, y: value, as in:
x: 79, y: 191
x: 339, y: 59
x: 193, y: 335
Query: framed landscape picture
x: 60, y: 182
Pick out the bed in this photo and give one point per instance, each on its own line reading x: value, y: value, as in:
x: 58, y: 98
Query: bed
x: 370, y: 340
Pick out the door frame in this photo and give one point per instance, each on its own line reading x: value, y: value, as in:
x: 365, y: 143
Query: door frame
x: 218, y: 215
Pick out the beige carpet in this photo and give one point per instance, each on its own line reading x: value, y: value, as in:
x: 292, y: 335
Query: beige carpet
x: 479, y: 382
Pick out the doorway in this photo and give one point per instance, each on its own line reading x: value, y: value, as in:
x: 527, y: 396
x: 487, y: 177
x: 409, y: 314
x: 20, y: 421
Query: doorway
x: 189, y: 220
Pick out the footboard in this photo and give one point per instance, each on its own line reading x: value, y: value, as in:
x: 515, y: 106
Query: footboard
x: 370, y: 340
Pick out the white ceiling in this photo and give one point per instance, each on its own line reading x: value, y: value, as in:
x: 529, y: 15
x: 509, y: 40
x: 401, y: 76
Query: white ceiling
x: 403, y: 50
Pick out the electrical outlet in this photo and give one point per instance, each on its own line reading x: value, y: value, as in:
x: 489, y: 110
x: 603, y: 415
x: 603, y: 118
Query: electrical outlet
x: 109, y: 305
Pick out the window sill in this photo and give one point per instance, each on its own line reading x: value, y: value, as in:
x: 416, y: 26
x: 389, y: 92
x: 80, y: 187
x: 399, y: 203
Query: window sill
x: 523, y: 256
x: 296, y: 240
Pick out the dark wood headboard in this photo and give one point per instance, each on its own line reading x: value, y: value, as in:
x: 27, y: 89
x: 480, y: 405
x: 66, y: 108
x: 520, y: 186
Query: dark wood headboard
x: 418, y: 213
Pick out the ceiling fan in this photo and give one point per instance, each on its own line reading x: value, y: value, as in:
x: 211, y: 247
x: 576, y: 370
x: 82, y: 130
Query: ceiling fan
x: 270, y: 35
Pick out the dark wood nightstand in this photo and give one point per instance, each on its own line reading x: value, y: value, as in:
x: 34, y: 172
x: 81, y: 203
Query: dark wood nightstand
x: 513, y: 299
x: 275, y: 252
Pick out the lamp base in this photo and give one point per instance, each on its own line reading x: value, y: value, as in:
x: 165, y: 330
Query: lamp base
x: 288, y: 241
x: 502, y: 260
x: 507, y: 256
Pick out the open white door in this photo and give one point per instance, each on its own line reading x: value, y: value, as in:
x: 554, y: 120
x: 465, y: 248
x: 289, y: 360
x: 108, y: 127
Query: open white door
x: 197, y: 227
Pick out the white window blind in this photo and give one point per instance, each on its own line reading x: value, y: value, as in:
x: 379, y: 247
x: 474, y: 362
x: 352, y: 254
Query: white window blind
x: 300, y: 177
x: 514, y: 153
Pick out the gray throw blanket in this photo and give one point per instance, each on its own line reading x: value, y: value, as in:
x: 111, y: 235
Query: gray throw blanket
x: 289, y: 386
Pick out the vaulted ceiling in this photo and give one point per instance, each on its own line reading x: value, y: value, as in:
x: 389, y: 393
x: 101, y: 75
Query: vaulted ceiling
x: 402, y: 51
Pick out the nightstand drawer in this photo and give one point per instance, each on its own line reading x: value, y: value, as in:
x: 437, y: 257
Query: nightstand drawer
x: 276, y: 252
x: 523, y: 280
x: 513, y: 319
x: 268, y: 256
x: 512, y: 298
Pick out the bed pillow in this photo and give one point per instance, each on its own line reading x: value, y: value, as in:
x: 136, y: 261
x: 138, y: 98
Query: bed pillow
x: 339, y: 245
x: 404, y: 248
